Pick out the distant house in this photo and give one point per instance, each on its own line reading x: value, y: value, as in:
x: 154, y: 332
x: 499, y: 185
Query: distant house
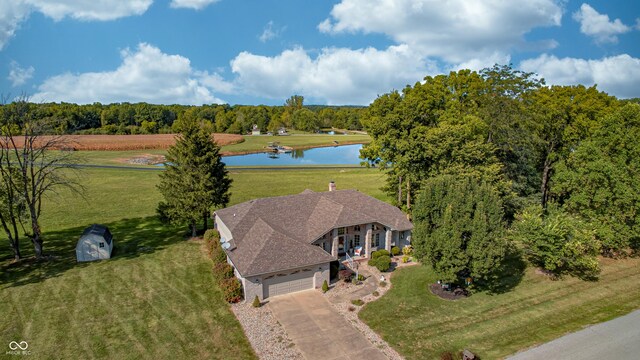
x: 282, y: 131
x: 255, y: 130
x: 284, y: 244
x: 96, y: 243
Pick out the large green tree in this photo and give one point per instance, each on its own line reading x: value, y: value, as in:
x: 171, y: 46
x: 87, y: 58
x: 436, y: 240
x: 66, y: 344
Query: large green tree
x: 557, y: 242
x: 563, y: 117
x: 600, y: 181
x: 305, y: 120
x: 459, y: 228
x: 195, y: 180
x: 460, y: 123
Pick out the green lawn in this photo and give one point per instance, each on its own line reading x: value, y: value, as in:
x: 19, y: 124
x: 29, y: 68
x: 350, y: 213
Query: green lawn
x: 420, y: 325
x: 156, y: 298
x: 117, y: 158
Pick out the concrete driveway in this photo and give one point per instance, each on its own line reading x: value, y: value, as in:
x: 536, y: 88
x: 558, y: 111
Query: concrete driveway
x: 318, y: 330
x: 616, y: 339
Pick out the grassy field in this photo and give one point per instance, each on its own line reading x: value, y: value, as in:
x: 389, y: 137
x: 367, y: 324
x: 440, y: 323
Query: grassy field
x: 422, y: 326
x: 156, y: 299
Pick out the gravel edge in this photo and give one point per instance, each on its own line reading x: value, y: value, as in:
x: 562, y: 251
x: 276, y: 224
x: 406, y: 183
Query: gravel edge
x: 266, y: 335
x: 339, y: 289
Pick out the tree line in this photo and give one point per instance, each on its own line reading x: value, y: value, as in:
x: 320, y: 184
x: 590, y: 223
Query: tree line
x: 491, y: 161
x: 142, y: 118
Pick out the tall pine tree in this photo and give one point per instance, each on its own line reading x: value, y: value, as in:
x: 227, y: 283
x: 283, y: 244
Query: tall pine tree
x: 195, y: 180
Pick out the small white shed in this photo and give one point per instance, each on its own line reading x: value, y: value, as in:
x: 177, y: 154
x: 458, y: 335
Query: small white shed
x: 96, y: 243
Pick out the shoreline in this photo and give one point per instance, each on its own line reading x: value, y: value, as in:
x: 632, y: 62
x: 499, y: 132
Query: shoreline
x: 298, y: 147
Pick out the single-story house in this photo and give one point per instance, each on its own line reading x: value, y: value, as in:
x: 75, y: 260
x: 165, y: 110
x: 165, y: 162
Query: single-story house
x: 284, y: 244
x: 96, y: 243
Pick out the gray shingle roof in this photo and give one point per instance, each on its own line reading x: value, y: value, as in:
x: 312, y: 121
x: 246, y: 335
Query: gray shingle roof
x: 273, y: 234
x: 98, y: 230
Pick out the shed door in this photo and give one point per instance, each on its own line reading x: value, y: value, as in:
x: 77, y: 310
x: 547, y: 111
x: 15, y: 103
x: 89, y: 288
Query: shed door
x: 91, y: 251
x: 287, y: 283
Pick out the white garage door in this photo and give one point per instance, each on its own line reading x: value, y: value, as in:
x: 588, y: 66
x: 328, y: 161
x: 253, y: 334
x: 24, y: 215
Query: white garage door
x: 285, y: 283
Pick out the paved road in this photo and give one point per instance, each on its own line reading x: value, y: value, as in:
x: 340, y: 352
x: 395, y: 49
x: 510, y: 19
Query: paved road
x: 318, y: 330
x: 616, y: 339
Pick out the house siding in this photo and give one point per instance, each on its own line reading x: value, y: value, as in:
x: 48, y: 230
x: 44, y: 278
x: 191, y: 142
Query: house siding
x: 254, y: 285
x: 321, y: 275
x: 222, y: 229
x: 326, y: 243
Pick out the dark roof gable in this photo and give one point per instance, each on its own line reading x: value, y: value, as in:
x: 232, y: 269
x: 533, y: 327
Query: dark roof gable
x: 99, y: 230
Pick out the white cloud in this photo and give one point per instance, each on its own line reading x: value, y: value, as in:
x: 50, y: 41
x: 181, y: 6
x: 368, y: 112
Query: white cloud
x: 598, y: 26
x: 19, y: 75
x: 191, y: 4
x: 270, y: 33
x: 89, y: 10
x: 617, y: 75
x: 13, y: 12
x: 335, y: 76
x: 145, y: 75
x: 455, y: 30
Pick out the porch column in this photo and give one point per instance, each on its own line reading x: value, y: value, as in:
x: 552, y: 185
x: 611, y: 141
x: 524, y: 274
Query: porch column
x: 387, y: 241
x: 367, y: 241
x: 334, y: 244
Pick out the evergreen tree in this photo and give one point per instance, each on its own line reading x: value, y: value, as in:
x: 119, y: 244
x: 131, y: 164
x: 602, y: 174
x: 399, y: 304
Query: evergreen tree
x: 195, y: 180
x: 459, y: 228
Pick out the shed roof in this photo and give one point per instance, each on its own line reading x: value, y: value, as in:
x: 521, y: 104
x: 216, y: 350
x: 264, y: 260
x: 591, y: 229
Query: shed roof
x: 277, y: 233
x: 98, y: 230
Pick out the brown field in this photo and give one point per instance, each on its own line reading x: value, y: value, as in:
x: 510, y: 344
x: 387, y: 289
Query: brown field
x: 125, y: 142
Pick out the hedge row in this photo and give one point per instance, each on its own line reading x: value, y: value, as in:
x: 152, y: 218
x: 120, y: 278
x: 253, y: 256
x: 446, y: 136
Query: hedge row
x: 222, y: 271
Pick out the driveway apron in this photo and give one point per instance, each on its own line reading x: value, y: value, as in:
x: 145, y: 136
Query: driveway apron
x: 318, y: 330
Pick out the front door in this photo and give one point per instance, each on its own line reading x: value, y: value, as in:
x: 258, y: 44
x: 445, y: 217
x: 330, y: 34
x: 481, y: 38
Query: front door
x: 340, y: 244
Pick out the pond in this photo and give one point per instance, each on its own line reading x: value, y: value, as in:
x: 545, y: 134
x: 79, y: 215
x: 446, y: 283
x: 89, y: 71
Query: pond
x: 336, y: 155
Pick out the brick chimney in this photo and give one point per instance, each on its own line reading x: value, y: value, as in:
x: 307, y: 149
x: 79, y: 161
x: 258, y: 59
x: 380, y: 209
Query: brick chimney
x: 332, y: 186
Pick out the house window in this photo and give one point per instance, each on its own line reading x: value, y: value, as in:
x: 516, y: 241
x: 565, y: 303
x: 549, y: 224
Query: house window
x: 356, y: 239
x: 401, y: 235
x: 341, y: 231
x: 377, y: 239
x: 356, y: 228
x: 101, y: 244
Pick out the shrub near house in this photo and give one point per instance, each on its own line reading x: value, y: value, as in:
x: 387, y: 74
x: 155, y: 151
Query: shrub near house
x: 222, y: 271
x: 381, y: 260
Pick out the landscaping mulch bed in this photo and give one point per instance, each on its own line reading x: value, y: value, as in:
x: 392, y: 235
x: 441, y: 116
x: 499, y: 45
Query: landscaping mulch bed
x: 455, y: 294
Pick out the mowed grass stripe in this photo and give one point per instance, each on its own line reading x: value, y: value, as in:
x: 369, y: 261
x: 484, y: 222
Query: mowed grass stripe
x: 537, y: 310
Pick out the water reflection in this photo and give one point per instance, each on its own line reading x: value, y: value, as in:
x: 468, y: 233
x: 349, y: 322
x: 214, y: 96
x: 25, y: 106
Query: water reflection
x: 338, y: 155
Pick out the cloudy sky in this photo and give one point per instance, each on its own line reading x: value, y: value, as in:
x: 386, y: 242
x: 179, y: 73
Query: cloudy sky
x: 331, y: 52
